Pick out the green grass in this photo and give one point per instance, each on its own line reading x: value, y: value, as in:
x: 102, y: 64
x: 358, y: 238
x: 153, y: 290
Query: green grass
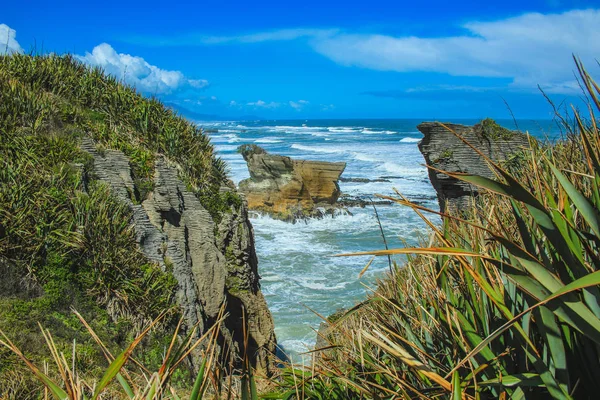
x: 38, y: 93
x: 445, y: 155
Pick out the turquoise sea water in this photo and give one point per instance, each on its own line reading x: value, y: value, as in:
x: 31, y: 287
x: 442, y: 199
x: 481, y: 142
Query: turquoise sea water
x: 299, y: 276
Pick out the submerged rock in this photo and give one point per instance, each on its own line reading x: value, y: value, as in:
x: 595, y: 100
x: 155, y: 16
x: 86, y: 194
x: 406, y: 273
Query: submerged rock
x: 444, y: 151
x: 215, y: 265
x: 287, y: 188
x: 364, y: 180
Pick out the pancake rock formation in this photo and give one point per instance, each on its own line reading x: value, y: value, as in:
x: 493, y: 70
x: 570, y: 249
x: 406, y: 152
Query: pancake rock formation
x: 214, y: 262
x: 290, y: 189
x: 443, y: 150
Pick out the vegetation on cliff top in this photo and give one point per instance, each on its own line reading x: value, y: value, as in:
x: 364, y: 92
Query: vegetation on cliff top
x: 504, y: 304
x: 64, y: 240
x: 490, y: 129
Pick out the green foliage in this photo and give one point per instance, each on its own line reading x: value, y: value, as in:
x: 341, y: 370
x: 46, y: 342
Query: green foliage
x: 220, y: 203
x: 38, y: 92
x: 119, y: 379
x: 445, y: 155
x: 488, y: 128
x: 126, y: 375
x: 504, y: 304
x: 64, y: 240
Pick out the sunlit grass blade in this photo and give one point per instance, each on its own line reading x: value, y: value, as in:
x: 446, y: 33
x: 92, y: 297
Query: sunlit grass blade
x: 121, y: 359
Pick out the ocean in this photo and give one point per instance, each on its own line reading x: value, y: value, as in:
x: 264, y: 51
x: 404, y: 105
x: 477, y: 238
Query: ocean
x: 300, y: 279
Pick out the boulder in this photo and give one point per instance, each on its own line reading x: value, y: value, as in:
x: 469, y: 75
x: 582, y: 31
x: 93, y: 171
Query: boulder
x: 288, y: 188
x: 443, y: 150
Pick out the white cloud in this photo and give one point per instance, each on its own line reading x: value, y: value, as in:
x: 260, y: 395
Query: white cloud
x: 269, y: 36
x: 530, y: 49
x: 263, y: 104
x: 255, y: 37
x: 298, y: 105
x: 8, y: 41
x: 138, y: 72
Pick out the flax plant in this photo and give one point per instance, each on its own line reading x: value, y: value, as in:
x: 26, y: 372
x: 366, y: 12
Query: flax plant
x: 503, y: 302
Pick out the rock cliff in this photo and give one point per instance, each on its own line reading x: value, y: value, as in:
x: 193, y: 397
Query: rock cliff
x: 215, y: 264
x: 443, y: 150
x: 289, y: 188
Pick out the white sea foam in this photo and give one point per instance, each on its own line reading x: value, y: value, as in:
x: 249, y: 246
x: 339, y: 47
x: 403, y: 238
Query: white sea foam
x: 268, y: 140
x: 344, y: 129
x: 295, y: 260
x: 370, y: 131
x: 297, y: 347
x: 224, y: 147
x: 366, y: 157
x: 327, y: 286
x: 317, y: 149
x: 403, y: 170
x: 410, y: 140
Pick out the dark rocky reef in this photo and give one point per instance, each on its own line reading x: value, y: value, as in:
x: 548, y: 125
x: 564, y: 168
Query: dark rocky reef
x: 215, y: 264
x: 444, y: 151
x: 290, y: 189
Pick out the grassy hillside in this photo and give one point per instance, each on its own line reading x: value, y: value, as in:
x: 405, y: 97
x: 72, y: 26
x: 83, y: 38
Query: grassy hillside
x: 65, y: 242
x: 503, y: 303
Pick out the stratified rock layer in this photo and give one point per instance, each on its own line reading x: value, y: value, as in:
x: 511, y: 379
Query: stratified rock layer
x: 289, y: 188
x: 444, y: 151
x: 215, y: 266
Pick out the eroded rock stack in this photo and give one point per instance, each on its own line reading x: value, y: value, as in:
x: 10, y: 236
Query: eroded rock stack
x: 287, y: 188
x: 215, y: 264
x: 443, y: 150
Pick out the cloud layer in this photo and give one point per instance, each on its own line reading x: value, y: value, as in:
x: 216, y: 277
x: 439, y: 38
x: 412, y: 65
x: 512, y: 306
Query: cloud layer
x: 531, y: 49
x: 138, y: 72
x: 8, y: 41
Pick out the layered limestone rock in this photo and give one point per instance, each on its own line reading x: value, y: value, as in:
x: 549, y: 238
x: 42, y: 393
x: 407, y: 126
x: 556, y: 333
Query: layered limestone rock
x: 444, y: 151
x: 215, y: 265
x: 289, y: 188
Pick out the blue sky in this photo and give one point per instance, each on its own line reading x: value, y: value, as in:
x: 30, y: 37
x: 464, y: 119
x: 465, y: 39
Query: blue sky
x: 326, y: 59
